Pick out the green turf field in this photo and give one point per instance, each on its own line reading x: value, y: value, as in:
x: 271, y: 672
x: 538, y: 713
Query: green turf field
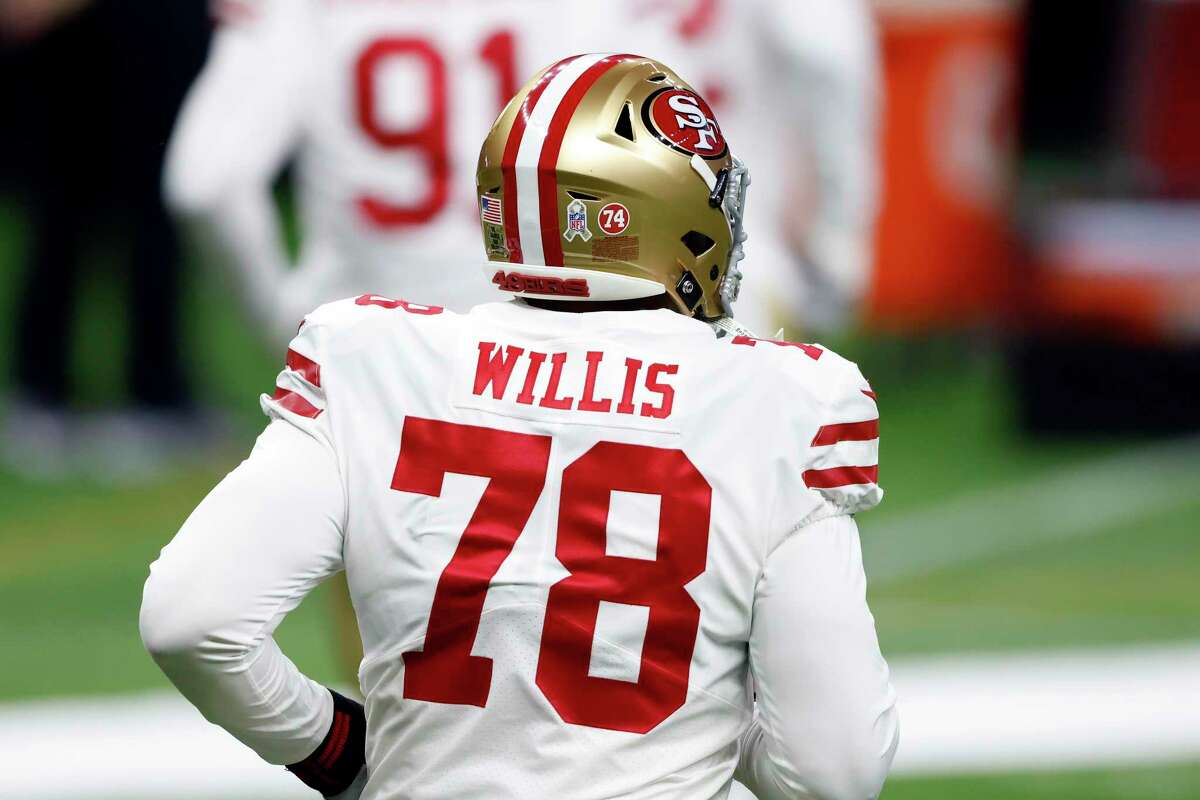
x: 1161, y: 783
x: 1164, y: 783
x: 73, y: 555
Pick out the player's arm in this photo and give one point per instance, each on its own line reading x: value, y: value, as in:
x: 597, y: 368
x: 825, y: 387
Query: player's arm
x: 248, y: 555
x: 262, y: 540
x: 826, y: 724
x: 241, y: 120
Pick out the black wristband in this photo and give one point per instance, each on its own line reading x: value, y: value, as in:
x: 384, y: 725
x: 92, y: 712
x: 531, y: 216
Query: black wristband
x: 336, y: 763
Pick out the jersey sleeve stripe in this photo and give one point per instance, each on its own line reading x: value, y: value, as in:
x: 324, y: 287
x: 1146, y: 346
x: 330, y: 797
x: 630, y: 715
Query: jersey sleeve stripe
x: 870, y: 394
x: 836, y: 477
x: 290, y: 401
x: 847, y: 432
x: 308, y: 369
x: 302, y: 373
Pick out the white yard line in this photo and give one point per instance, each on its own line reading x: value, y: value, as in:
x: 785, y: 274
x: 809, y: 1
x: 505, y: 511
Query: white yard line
x: 1074, y: 502
x: 959, y: 714
x: 151, y: 745
x: 1049, y: 711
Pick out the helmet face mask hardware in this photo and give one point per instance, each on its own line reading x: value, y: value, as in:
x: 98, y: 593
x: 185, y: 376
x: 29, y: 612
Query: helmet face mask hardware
x: 611, y: 172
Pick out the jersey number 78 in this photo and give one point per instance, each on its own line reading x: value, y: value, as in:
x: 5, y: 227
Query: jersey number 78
x: 444, y: 671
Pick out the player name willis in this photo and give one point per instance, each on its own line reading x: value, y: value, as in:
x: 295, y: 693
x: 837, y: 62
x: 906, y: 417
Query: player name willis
x: 570, y: 386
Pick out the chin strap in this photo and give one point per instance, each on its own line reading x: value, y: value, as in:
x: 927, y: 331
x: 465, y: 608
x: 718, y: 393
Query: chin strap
x: 725, y: 327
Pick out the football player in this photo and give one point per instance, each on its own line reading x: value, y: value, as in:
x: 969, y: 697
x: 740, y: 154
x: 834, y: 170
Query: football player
x: 583, y: 529
x: 381, y: 106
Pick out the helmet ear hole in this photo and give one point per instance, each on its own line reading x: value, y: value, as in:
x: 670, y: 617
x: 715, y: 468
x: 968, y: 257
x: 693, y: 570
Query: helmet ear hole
x: 657, y: 77
x: 697, y: 243
x: 624, y: 127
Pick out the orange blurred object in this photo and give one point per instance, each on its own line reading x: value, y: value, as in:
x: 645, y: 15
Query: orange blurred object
x: 1126, y: 270
x: 944, y: 247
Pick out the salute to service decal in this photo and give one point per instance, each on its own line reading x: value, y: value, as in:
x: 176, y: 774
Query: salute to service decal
x: 684, y: 122
x: 577, y: 222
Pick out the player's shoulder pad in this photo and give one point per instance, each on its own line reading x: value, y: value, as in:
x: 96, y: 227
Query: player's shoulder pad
x: 343, y: 317
x: 329, y: 331
x: 842, y: 457
x: 811, y: 369
x: 835, y: 417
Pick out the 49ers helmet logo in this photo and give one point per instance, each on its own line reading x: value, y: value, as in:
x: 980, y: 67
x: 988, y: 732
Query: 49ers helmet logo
x: 684, y: 122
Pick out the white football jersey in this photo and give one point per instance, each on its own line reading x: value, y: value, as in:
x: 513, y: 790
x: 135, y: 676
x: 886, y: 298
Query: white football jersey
x: 383, y: 105
x: 555, y: 526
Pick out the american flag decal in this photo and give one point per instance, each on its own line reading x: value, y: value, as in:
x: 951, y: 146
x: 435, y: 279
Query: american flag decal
x: 491, y: 210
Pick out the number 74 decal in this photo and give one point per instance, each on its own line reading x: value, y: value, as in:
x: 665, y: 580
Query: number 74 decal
x: 444, y: 671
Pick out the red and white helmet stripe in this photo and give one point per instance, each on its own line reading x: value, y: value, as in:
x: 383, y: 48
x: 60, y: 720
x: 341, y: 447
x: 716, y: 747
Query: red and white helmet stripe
x: 531, y: 224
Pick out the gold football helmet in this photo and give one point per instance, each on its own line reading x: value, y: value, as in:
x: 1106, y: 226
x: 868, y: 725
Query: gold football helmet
x: 608, y: 178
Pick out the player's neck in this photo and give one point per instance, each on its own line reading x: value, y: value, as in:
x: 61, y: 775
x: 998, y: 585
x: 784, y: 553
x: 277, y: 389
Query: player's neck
x: 574, y: 307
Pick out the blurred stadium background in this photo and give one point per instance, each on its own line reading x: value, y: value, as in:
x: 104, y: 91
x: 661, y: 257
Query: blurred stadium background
x: 1032, y: 328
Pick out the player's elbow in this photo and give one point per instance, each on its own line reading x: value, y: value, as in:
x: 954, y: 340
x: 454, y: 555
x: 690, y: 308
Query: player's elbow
x: 847, y: 779
x: 860, y: 777
x: 168, y: 630
x: 189, y: 189
x: 198, y: 178
x: 182, y: 624
x: 852, y: 766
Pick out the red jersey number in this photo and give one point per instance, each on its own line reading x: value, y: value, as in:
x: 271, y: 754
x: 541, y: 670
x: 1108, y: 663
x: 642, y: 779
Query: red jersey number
x: 444, y: 671
x: 431, y: 137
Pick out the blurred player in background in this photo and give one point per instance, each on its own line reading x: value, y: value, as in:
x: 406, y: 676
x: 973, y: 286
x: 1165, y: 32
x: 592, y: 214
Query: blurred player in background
x: 577, y: 526
x: 90, y: 99
x: 797, y: 84
x: 381, y: 104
